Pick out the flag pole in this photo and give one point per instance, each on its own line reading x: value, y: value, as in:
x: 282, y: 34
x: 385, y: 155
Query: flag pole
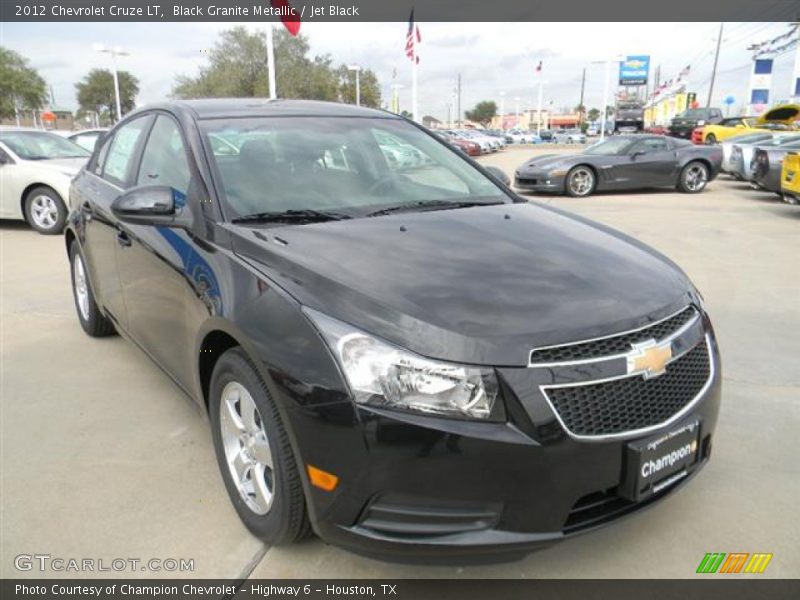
x: 414, y: 108
x: 539, y: 109
x: 271, y: 63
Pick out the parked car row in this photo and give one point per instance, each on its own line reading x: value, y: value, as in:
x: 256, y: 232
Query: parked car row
x: 767, y: 161
x: 716, y: 130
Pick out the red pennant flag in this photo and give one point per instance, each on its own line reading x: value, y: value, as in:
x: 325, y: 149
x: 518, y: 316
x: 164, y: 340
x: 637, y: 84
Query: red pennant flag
x: 289, y: 16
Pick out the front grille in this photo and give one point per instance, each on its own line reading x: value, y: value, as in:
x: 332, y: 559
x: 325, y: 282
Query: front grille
x: 619, y: 344
x: 632, y: 403
x: 526, y: 181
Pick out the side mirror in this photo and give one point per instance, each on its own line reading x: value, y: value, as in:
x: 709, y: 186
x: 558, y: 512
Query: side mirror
x: 637, y: 154
x: 4, y: 160
x: 499, y: 174
x: 152, y: 205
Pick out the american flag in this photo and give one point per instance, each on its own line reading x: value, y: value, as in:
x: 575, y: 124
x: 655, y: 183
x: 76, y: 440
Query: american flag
x: 411, y: 36
x: 290, y: 21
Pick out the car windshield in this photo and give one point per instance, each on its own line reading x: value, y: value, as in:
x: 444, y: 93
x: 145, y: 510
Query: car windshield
x: 694, y: 113
x: 40, y: 145
x: 610, y: 146
x: 749, y: 137
x: 342, y: 165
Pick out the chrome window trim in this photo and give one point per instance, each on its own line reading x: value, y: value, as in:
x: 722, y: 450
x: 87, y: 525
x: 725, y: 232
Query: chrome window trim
x: 643, y: 430
x: 678, y: 332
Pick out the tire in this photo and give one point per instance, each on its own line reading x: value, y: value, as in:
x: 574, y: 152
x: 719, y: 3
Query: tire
x: 45, y: 211
x: 693, y: 178
x: 271, y: 503
x: 93, y: 321
x: 580, y: 190
x: 711, y: 139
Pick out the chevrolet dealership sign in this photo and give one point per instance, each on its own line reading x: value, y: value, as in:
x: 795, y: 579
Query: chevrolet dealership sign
x: 634, y: 70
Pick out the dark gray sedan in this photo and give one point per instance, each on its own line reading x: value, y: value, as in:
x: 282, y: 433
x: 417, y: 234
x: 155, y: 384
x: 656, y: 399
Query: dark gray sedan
x: 623, y: 162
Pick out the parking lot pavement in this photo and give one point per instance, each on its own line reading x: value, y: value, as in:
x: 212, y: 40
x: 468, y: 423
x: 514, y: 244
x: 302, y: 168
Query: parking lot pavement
x: 103, y: 457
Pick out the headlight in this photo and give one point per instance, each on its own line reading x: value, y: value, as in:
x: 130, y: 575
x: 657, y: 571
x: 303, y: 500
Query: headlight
x: 701, y: 122
x: 382, y: 375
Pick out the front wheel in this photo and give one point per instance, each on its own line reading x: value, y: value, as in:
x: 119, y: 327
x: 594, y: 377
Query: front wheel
x: 693, y: 178
x: 580, y: 181
x: 254, y: 453
x: 45, y: 211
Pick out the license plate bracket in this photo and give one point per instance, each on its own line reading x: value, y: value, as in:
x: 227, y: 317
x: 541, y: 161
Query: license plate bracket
x: 655, y: 463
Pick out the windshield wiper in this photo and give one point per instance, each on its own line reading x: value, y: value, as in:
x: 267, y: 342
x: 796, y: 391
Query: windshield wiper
x: 423, y: 205
x: 306, y: 215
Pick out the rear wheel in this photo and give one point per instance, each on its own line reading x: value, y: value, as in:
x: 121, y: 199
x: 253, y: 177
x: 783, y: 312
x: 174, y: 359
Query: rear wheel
x: 254, y: 453
x: 711, y: 139
x: 693, y: 178
x: 45, y: 211
x: 580, y: 181
x: 92, y: 320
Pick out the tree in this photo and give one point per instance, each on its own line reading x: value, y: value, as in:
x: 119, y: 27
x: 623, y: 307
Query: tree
x: 237, y: 67
x: 593, y: 114
x: 96, y: 93
x: 483, y: 112
x: 368, y: 81
x: 21, y: 87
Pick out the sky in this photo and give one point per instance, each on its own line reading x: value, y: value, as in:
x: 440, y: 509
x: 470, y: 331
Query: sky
x: 495, y: 60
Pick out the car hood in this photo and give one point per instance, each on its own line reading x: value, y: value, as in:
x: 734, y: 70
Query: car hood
x: 550, y: 160
x: 67, y: 166
x: 787, y: 114
x: 480, y: 285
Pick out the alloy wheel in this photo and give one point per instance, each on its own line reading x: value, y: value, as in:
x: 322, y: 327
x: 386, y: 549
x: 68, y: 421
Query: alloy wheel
x: 695, y: 178
x: 247, y: 449
x: 81, y: 286
x: 581, y: 181
x: 44, y: 211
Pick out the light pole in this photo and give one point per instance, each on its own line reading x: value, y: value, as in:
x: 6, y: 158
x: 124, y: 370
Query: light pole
x: 114, y: 52
x: 502, y: 109
x: 605, y: 92
x: 357, y: 69
x: 539, y: 109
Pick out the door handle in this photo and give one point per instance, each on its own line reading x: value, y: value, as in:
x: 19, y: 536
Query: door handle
x: 123, y: 239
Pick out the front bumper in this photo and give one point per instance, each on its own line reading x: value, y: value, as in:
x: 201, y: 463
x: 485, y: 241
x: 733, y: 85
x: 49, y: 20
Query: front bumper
x: 681, y: 131
x: 539, y: 181
x: 424, y: 489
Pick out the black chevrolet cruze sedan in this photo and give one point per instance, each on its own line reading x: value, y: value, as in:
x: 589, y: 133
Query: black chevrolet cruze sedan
x: 394, y: 350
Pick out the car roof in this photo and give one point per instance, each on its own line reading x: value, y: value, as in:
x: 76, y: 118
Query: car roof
x: 220, y: 108
x: 12, y: 128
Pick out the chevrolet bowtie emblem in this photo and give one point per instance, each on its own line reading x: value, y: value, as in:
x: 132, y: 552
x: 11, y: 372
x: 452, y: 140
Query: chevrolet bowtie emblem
x: 649, y: 358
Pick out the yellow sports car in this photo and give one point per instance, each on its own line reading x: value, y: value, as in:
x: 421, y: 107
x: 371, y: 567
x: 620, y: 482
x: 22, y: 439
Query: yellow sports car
x: 790, y: 178
x: 779, y: 118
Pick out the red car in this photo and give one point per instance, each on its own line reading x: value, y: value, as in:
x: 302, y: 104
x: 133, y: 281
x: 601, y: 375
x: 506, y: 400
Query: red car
x: 469, y: 148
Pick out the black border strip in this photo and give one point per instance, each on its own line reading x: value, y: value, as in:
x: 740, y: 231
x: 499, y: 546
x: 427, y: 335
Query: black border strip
x: 398, y: 10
